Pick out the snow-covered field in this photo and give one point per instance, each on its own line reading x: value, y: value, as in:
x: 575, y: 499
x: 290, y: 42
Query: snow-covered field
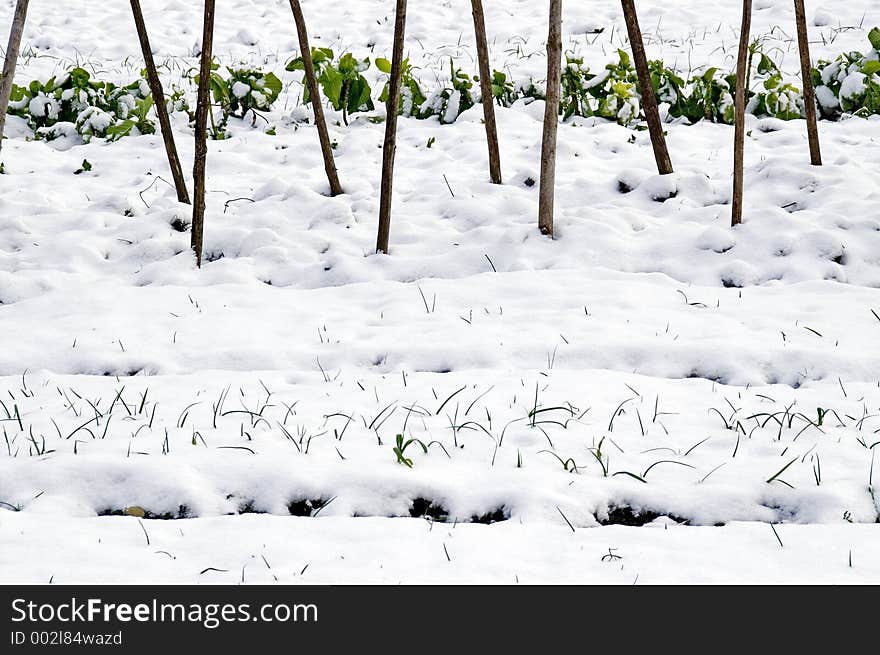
x: 718, y: 387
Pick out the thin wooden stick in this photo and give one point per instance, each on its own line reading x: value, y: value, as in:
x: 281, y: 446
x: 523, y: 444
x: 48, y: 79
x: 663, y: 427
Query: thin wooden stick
x: 649, y: 99
x: 159, y: 103
x: 202, y: 109
x: 486, y: 91
x: 314, y: 92
x: 11, y: 61
x: 551, y: 120
x: 742, y: 64
x: 809, y: 92
x: 390, y: 147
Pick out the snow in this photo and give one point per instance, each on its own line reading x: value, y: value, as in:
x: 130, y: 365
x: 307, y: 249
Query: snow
x: 649, y: 359
x: 240, y: 89
x: 853, y: 85
x: 827, y: 98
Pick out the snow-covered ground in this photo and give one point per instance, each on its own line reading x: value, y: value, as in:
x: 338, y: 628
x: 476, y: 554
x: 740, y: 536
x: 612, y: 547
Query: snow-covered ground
x: 650, y: 365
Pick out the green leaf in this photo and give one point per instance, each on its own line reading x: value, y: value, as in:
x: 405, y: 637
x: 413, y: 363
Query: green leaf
x: 143, y: 108
x: 331, y: 83
x: 766, y: 65
x: 320, y: 55
x: 79, y: 77
x: 272, y: 84
x: 347, y: 63
x: 874, y: 38
x: 18, y: 93
x: 119, y: 130
x: 383, y: 65
x: 220, y: 89
x: 871, y: 67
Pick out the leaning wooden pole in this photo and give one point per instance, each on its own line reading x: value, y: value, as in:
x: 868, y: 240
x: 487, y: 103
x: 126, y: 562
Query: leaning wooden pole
x: 11, y: 61
x: 809, y: 91
x: 742, y: 64
x: 547, y: 187
x: 314, y: 92
x: 390, y: 147
x: 202, y: 108
x: 159, y: 103
x: 649, y: 98
x: 486, y: 91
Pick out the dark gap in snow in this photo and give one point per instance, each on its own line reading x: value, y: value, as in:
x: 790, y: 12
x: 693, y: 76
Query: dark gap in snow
x: 213, y: 255
x: 623, y: 187
x: 702, y: 375
x: 721, y: 249
x: 128, y: 373
x: 625, y: 515
x: 179, y: 225
x: 664, y: 195
x: 424, y: 508
x: 306, y: 506
x: 494, y: 516
x: 775, y: 379
x: 783, y: 514
x: 730, y: 283
x: 249, y: 507
x: 183, y: 512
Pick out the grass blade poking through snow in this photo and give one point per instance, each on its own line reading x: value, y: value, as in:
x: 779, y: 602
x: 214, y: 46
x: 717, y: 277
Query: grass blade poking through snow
x: 776, y: 475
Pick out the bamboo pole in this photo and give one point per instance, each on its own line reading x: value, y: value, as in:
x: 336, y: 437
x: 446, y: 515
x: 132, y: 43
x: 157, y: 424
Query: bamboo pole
x: 11, y: 61
x: 486, y: 91
x: 314, y: 92
x: 551, y: 120
x: 390, y: 147
x: 649, y: 99
x: 159, y: 103
x: 202, y: 108
x: 809, y: 92
x: 740, y: 108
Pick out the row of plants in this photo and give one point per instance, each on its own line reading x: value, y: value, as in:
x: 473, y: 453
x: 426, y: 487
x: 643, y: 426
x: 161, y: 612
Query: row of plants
x: 850, y: 84
x: 93, y: 108
x: 77, y: 103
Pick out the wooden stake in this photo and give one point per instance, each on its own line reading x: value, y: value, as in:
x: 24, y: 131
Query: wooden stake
x: 315, y: 93
x: 486, y: 91
x: 11, y: 61
x: 202, y: 109
x: 551, y: 120
x: 742, y: 65
x: 649, y: 99
x: 390, y: 147
x: 809, y: 92
x: 159, y: 103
